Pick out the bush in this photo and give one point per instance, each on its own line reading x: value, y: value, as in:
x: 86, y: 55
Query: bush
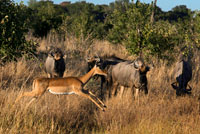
x: 13, y: 19
x: 133, y: 28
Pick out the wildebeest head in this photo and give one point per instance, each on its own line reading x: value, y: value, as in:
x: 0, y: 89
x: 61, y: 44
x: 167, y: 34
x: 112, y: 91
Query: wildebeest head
x: 143, y: 69
x: 139, y: 64
x: 55, y: 63
x: 56, y: 53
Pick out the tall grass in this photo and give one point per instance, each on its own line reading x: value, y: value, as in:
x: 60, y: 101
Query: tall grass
x: 161, y: 112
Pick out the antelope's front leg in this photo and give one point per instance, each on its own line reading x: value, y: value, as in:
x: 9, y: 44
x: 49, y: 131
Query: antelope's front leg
x: 87, y: 94
x: 97, y: 99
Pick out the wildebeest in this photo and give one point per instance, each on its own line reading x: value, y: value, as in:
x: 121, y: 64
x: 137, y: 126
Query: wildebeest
x: 105, y: 62
x: 183, y: 74
x: 55, y: 63
x: 131, y: 74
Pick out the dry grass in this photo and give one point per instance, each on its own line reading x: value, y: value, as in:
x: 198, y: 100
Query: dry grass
x: 158, y: 113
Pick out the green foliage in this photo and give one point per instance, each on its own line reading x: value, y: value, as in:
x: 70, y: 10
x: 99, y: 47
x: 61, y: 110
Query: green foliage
x: 196, y: 33
x: 121, y: 22
x: 13, y: 19
x: 45, y: 16
x: 139, y: 28
x: 85, y: 23
x: 132, y: 27
x: 162, y: 40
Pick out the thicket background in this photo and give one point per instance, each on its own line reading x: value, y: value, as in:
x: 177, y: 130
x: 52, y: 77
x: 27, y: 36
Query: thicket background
x: 124, y: 28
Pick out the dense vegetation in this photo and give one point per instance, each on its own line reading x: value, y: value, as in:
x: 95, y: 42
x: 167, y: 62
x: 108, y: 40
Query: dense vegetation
x: 120, y: 22
x: 13, y: 26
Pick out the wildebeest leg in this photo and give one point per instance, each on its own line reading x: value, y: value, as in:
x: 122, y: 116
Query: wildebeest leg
x: 102, y: 87
x: 55, y: 75
x: 49, y: 75
x: 146, y: 90
x: 121, y: 91
x: 114, y: 89
x: 61, y: 74
x: 109, y: 87
x: 136, y: 92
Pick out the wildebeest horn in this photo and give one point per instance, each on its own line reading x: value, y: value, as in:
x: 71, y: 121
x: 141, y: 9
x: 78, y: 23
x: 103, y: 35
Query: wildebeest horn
x: 97, y: 58
x: 138, y: 63
x: 189, y: 88
x: 88, y: 59
x: 173, y: 85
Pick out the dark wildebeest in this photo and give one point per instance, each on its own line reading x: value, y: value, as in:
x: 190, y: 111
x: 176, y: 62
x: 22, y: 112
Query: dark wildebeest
x: 105, y: 63
x: 55, y: 64
x: 131, y: 74
x: 183, y: 74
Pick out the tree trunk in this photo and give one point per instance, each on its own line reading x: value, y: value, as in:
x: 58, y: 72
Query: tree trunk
x: 152, y: 15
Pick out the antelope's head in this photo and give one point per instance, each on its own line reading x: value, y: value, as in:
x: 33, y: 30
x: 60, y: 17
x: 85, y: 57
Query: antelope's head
x: 92, y: 61
x: 99, y: 71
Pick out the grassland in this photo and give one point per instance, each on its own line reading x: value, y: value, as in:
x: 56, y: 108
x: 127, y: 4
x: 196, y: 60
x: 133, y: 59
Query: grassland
x: 161, y: 112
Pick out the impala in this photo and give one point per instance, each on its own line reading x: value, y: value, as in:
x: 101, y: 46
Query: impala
x: 65, y: 86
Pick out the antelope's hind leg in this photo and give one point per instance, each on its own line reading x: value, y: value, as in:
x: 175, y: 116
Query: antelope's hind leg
x: 34, y: 93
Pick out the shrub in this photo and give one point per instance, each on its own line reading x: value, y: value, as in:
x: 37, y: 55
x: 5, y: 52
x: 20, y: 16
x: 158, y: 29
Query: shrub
x: 14, y: 20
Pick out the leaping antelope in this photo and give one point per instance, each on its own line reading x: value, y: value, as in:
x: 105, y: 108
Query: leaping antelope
x: 65, y: 86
